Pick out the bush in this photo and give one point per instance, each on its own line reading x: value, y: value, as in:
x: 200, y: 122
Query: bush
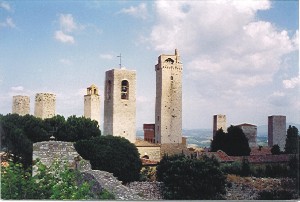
x: 190, y: 179
x: 275, y: 195
x: 112, y: 154
x: 275, y: 149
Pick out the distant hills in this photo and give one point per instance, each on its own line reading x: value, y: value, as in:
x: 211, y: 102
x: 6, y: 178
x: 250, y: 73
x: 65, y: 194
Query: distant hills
x: 202, y: 137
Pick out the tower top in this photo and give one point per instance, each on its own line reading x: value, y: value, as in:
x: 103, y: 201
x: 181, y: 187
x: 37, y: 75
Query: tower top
x: 92, y: 90
x: 176, y: 52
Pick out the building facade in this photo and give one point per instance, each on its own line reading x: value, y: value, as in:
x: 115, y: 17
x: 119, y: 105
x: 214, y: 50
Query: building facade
x: 219, y: 121
x: 168, y: 106
x: 120, y: 103
x: 277, y: 131
x: 92, y: 104
x: 149, y: 132
x: 250, y: 132
x: 21, y: 105
x: 45, y: 105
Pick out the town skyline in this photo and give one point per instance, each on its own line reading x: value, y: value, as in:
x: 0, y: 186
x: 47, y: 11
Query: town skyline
x: 239, y: 59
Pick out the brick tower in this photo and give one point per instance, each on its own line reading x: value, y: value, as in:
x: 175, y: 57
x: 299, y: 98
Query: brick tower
x: 44, y: 105
x: 168, y: 106
x: 92, y: 104
x: 120, y: 104
x: 21, y: 105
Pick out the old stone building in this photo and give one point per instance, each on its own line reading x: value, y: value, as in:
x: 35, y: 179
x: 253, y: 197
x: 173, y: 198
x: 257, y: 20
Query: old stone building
x: 219, y: 121
x: 45, y: 105
x: 168, y: 106
x: 92, y: 104
x: 277, y: 131
x: 120, y: 103
x: 149, y: 132
x: 21, y: 105
x: 250, y: 132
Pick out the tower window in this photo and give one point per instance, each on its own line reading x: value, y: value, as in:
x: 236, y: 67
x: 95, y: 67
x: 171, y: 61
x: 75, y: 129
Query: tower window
x: 125, y: 90
x: 171, y: 78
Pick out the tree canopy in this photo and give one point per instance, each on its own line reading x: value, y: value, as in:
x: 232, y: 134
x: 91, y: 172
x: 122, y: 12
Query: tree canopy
x: 292, y: 140
x: 113, y: 154
x: 190, y: 179
x: 233, y: 143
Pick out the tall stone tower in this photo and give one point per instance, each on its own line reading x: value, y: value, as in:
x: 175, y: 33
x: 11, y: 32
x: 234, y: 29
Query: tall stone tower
x: 92, y: 104
x: 120, y: 103
x: 44, y: 105
x: 168, y: 106
x: 219, y: 122
x: 277, y: 131
x: 21, y: 105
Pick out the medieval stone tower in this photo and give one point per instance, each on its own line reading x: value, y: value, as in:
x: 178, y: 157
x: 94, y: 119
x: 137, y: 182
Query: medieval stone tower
x: 21, y: 105
x: 168, y: 106
x: 92, y: 104
x: 44, y: 105
x: 277, y: 131
x: 218, y: 123
x: 120, y: 104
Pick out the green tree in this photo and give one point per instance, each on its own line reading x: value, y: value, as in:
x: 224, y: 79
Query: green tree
x: 292, y: 140
x: 233, y: 143
x: 113, y: 154
x: 275, y: 149
x: 191, y: 179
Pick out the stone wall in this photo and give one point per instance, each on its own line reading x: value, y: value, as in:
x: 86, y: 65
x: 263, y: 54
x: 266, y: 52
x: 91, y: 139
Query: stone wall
x: 45, y: 105
x: 152, y: 152
x: 21, y: 105
x: 148, y: 190
x: 171, y: 149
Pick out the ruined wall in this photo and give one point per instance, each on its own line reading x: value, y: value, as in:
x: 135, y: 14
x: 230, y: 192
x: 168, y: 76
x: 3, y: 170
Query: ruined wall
x: 45, y: 105
x: 92, y: 104
x: 120, y: 104
x: 219, y: 122
x: 152, y: 152
x: 168, y: 106
x: 21, y: 105
x: 277, y: 131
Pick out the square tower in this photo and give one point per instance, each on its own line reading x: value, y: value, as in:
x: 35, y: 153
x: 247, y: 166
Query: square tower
x: 21, y: 105
x: 277, y: 131
x: 120, y: 103
x: 168, y: 105
x: 92, y: 104
x: 250, y: 132
x: 219, y: 122
x: 44, y: 105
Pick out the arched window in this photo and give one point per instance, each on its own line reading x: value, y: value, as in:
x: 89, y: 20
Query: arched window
x: 125, y: 90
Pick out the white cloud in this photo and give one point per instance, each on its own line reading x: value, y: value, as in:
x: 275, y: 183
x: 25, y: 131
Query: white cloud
x: 8, y: 23
x: 5, y: 6
x: 17, y: 88
x: 139, y: 11
x: 291, y: 83
x: 67, y: 23
x: 106, y: 56
x: 62, y: 37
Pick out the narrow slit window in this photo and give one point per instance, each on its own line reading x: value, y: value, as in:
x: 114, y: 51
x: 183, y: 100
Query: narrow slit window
x: 125, y: 90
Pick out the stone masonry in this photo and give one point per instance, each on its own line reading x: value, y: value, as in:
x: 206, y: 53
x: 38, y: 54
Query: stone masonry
x: 21, y: 105
x: 250, y: 132
x: 168, y: 106
x: 45, y: 105
x: 277, y: 131
x: 120, y: 104
x: 92, y: 104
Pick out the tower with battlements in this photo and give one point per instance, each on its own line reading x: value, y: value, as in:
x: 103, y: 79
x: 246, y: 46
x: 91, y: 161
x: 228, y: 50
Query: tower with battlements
x: 120, y: 103
x: 168, y: 106
x: 92, y: 104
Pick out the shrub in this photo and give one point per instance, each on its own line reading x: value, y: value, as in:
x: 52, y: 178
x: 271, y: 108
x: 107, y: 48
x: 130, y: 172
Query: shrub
x: 275, y: 195
x: 112, y: 154
x: 190, y: 179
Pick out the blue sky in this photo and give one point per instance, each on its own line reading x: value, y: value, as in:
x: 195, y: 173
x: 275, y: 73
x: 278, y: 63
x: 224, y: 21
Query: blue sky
x: 240, y: 58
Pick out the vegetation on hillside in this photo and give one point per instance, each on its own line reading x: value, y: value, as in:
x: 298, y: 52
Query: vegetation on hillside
x: 113, y: 154
x: 191, y: 179
x: 57, y: 182
x: 233, y: 143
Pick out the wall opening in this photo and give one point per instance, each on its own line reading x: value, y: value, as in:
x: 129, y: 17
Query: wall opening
x: 125, y: 90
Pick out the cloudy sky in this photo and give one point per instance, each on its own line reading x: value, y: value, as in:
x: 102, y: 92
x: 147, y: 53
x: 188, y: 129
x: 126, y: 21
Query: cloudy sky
x: 240, y: 58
